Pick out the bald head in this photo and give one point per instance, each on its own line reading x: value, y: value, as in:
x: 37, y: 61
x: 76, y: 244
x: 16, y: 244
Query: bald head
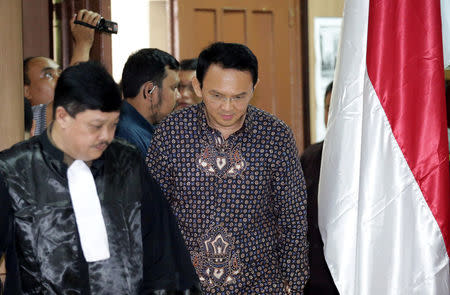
x: 40, y: 76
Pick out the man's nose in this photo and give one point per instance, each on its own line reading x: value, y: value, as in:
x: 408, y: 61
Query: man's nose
x: 107, y: 133
x: 56, y: 76
x: 184, y: 93
x: 177, y: 94
x: 226, y: 105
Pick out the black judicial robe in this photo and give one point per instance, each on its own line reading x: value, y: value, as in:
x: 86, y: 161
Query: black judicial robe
x: 148, y: 255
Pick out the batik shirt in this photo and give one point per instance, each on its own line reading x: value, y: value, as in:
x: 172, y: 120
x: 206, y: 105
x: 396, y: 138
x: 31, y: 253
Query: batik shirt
x: 240, y: 202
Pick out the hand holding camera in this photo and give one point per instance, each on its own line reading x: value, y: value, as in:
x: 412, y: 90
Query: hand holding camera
x: 94, y: 21
x: 83, y: 26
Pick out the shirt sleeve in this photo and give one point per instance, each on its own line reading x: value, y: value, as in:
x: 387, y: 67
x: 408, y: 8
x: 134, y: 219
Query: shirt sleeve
x: 167, y: 263
x: 290, y: 200
x: 158, y: 163
x: 7, y: 242
x: 5, y: 217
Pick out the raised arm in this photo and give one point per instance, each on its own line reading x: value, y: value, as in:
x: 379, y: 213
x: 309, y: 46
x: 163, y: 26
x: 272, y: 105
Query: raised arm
x: 83, y: 36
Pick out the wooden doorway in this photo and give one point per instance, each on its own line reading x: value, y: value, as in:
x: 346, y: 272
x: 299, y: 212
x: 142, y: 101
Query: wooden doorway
x: 271, y: 29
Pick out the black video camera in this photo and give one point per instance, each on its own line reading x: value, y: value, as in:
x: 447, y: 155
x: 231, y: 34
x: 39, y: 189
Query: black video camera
x: 103, y: 25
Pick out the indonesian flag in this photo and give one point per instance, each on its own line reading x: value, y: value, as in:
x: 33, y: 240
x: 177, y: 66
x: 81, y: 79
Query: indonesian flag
x: 384, y: 193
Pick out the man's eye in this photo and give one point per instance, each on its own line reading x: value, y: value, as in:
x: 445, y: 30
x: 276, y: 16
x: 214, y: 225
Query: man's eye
x: 48, y: 75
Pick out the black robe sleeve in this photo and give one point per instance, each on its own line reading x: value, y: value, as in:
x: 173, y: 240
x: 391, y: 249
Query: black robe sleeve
x: 167, y: 264
x: 5, y: 218
x: 7, y: 242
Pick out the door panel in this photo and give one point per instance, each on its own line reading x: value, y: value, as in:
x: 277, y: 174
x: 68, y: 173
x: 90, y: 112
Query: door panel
x: 271, y: 29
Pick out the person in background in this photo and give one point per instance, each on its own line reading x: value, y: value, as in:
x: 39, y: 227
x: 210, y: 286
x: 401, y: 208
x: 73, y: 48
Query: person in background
x: 320, y: 281
x: 79, y: 212
x: 29, y: 123
x: 40, y: 73
x: 150, y: 90
x: 232, y: 174
x: 187, y: 73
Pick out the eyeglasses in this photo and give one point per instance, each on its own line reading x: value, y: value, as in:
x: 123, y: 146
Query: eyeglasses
x: 219, y: 98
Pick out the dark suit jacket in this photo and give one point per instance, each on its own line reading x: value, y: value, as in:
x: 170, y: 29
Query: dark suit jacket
x: 320, y: 281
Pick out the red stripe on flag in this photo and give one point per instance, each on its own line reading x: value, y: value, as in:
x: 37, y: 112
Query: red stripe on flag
x: 405, y: 66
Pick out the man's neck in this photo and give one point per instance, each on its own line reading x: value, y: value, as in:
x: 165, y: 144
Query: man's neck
x: 226, y: 131
x: 53, y: 133
x: 141, y: 109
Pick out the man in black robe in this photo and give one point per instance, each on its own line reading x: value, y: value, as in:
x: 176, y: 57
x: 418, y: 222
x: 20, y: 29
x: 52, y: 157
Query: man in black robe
x: 79, y: 213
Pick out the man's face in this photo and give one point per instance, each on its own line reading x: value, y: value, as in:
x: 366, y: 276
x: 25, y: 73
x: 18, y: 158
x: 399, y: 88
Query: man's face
x: 43, y: 74
x: 167, y: 95
x: 327, y: 107
x: 188, y: 96
x: 226, y: 94
x: 88, y: 134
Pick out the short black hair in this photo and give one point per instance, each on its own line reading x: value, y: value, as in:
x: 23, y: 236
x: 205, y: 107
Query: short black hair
x: 28, y: 114
x: 86, y: 86
x: 228, y: 56
x: 188, y: 64
x: 148, y: 64
x: 26, y: 61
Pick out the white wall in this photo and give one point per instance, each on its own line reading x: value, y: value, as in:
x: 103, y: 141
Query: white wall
x: 142, y: 24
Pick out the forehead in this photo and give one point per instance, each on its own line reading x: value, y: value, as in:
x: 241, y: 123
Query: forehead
x: 97, y: 115
x: 171, y: 77
x: 186, y: 76
x: 40, y: 63
x: 216, y: 76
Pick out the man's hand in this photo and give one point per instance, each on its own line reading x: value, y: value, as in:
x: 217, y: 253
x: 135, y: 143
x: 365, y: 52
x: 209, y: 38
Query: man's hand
x: 83, y: 36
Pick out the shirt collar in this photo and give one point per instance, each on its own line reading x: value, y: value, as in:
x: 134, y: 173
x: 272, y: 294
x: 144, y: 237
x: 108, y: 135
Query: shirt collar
x: 50, y: 148
x: 129, y: 111
x: 246, y: 127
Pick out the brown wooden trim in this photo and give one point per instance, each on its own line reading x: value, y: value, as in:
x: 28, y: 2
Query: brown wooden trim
x: 50, y: 22
x: 305, y: 71
x: 11, y: 74
x: 65, y: 11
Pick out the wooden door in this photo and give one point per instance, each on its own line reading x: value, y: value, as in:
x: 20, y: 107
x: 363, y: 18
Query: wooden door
x: 271, y: 29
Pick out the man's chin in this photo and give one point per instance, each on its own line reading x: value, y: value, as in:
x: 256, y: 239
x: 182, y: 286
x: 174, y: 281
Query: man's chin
x: 181, y: 106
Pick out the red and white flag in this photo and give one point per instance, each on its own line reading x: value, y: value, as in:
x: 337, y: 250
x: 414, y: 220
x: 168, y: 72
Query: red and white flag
x: 384, y: 193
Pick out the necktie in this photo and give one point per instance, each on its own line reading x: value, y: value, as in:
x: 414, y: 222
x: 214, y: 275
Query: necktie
x: 88, y: 212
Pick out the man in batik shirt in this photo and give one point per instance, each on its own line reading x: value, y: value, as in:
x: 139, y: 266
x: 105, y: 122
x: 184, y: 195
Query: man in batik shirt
x: 232, y: 175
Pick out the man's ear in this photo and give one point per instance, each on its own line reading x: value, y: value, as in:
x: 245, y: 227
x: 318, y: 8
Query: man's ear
x: 62, y: 117
x: 148, y: 89
x: 196, y: 86
x: 27, y: 91
x: 256, y: 84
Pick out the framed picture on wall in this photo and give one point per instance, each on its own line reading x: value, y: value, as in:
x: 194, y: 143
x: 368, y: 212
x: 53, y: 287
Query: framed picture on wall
x: 327, y: 31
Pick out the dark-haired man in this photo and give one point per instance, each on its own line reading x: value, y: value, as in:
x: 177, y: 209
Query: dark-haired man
x: 232, y: 174
x: 187, y: 73
x: 73, y: 197
x: 150, y: 88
